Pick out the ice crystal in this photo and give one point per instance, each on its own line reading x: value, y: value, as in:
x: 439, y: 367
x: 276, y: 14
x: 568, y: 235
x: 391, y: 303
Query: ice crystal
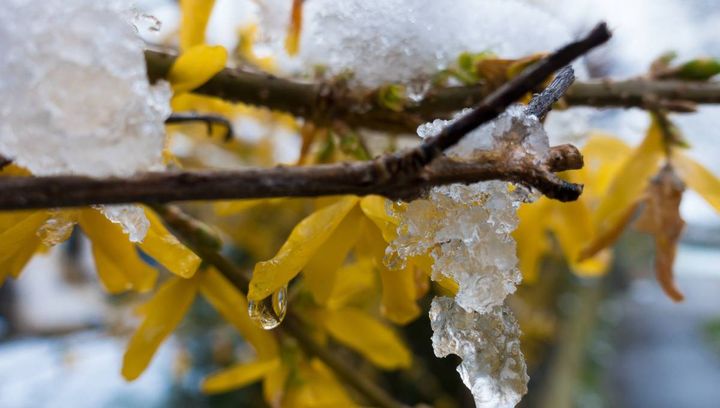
x: 467, y: 230
x: 514, y: 127
x: 493, y: 366
x: 383, y: 41
x: 131, y: 218
x: 57, y: 228
x: 75, y: 90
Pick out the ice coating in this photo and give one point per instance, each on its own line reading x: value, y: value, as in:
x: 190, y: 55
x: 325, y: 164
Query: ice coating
x: 383, y: 41
x: 57, y: 228
x: 80, y: 102
x: 467, y: 228
x: 493, y: 366
x: 512, y: 128
x: 131, y: 219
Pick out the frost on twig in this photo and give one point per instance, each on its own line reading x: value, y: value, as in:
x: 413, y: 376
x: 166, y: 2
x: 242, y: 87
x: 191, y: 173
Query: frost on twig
x: 79, y: 101
x: 493, y: 366
x: 467, y: 230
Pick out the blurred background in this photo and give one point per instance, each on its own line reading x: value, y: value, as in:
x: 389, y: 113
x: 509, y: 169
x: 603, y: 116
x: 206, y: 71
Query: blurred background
x: 617, y: 341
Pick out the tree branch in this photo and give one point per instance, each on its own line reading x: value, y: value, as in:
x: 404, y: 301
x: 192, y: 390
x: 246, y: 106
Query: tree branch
x: 335, y: 179
x: 186, y: 229
x: 638, y: 93
x: 317, y: 101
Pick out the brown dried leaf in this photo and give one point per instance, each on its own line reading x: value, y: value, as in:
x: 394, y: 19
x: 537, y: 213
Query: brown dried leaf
x: 661, y: 218
x: 493, y: 71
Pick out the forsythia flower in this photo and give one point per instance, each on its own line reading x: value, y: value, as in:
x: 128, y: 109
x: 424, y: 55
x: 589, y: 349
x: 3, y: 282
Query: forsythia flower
x: 320, y: 244
x: 345, y: 320
x: 658, y: 199
x: 117, y: 262
x: 571, y: 223
x: 165, y: 311
x: 586, y: 228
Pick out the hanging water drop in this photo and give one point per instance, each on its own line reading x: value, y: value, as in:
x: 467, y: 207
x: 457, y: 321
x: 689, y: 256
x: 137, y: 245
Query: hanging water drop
x: 268, y: 313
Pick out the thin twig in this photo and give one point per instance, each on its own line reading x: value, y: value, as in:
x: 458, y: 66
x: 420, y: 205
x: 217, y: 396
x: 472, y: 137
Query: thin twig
x: 541, y: 104
x: 207, y: 119
x: 638, y: 93
x: 186, y: 229
x: 361, y: 178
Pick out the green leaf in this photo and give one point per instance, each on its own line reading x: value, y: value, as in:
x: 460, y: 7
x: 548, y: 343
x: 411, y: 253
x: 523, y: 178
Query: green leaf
x: 701, y: 69
x: 392, y: 97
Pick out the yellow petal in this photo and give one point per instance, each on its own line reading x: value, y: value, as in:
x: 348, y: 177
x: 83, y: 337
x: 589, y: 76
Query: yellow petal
x: 399, y: 289
x: 163, y: 313
x: 232, y: 305
x: 698, y: 178
x: 320, y: 272
x: 361, y: 332
x: 117, y: 261
x: 353, y: 281
x: 13, y: 170
x: 274, y: 385
x: 238, y: 376
x: 226, y: 208
x: 632, y: 178
x: 292, y: 41
x: 610, y: 234
x: 304, y: 241
x: 18, y: 240
x: 398, y: 297
x: 196, y: 66
x: 162, y: 246
x: 604, y: 155
x: 375, y: 207
x: 572, y: 226
x: 195, y: 16
x: 317, y: 387
x: 531, y: 238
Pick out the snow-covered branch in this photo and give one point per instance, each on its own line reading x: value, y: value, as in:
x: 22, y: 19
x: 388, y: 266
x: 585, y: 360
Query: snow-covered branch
x: 318, y: 101
x: 402, y: 175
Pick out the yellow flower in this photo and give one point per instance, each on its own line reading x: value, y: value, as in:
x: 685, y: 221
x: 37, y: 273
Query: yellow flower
x: 322, y: 242
x: 625, y: 195
x: 572, y: 223
x: 195, y: 16
x: 196, y: 66
x: 342, y: 318
x: 162, y: 314
x: 117, y: 261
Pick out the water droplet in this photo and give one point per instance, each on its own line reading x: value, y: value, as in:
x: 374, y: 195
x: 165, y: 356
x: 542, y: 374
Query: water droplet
x: 268, y: 313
